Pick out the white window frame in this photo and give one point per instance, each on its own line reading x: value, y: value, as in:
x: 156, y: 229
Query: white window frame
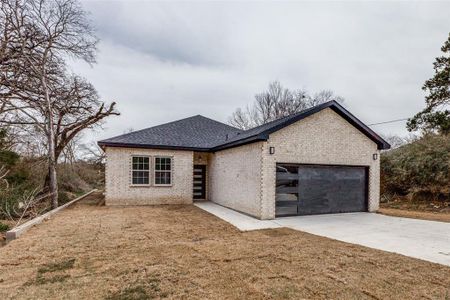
x: 149, y: 171
x: 154, y: 170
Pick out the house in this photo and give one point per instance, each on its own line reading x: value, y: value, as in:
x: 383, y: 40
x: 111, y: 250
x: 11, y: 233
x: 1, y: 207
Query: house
x: 320, y: 160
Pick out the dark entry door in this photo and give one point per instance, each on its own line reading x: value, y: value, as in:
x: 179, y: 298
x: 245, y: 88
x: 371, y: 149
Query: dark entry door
x: 320, y: 189
x: 199, y: 182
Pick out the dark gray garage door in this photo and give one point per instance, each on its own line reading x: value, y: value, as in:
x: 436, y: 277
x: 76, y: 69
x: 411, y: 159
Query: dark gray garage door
x: 320, y: 189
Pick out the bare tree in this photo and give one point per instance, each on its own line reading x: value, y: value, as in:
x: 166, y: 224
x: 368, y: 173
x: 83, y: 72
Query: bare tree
x: 7, y: 158
x: 397, y: 141
x: 277, y: 102
x: 3, y: 173
x: 28, y: 141
x: 79, y: 109
x: 93, y: 153
x: 35, y: 88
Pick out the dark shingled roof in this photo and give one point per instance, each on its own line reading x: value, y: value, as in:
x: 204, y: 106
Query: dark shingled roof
x: 202, y: 134
x: 194, y: 133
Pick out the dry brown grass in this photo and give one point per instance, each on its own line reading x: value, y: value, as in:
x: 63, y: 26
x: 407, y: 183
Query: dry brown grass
x: 416, y: 214
x: 94, y: 252
x: 425, y: 210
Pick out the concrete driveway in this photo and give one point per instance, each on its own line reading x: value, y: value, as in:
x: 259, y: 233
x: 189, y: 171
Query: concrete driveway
x: 427, y: 240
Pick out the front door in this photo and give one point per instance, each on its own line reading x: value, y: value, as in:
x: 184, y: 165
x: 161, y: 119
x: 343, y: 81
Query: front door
x: 199, y: 182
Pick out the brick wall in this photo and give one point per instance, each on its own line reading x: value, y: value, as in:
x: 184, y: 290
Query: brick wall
x: 118, y: 188
x: 235, y: 178
x: 243, y: 178
x: 323, y: 138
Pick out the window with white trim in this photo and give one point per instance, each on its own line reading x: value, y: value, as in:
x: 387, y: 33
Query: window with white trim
x: 140, y: 170
x: 163, y: 171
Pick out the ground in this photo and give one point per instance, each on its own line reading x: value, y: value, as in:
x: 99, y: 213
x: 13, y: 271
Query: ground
x: 415, y: 214
x: 426, y: 210
x: 97, y: 252
x: 5, y: 225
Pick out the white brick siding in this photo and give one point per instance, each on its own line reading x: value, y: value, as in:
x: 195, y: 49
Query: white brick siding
x: 322, y: 138
x: 243, y: 178
x: 119, y: 190
x: 235, y: 178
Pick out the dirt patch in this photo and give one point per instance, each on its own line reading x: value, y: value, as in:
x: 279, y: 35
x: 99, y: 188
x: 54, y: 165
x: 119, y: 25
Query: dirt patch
x: 414, y: 214
x: 98, y: 252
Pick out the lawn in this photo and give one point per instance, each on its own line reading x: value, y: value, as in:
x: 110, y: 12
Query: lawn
x: 425, y: 210
x: 97, y: 252
x: 416, y: 214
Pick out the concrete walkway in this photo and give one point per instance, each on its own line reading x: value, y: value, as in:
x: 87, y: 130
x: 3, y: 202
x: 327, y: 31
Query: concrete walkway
x: 427, y: 240
x: 241, y: 221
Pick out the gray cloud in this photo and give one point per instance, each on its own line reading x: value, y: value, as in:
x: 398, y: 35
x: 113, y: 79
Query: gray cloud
x: 163, y: 61
x: 173, y: 32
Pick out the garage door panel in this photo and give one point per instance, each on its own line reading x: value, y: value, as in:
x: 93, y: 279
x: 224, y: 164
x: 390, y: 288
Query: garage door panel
x: 325, y: 189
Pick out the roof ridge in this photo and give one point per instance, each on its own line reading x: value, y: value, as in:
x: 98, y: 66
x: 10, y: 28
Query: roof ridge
x: 261, y: 132
x: 285, y: 117
x: 206, y: 134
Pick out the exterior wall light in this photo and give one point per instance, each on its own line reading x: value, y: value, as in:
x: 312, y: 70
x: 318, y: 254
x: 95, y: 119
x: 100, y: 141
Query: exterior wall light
x: 271, y: 150
x: 375, y: 156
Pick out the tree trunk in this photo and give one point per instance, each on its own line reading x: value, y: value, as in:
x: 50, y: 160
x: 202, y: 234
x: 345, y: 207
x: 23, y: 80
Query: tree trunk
x: 53, y: 181
x: 46, y: 186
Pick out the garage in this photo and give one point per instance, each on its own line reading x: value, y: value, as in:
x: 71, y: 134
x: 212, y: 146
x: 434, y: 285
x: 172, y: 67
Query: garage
x: 320, y: 189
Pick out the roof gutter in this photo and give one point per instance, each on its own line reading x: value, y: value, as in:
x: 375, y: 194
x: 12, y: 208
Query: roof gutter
x: 264, y: 136
x: 103, y: 145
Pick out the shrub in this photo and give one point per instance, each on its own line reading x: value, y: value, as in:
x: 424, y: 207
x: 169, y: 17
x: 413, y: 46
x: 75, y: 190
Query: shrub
x: 3, y: 227
x: 64, y: 197
x: 12, y: 200
x: 27, y: 176
x: 420, y: 169
x: 70, y: 181
x: 79, y: 177
x: 92, y: 174
x: 8, y: 158
x: 18, y: 176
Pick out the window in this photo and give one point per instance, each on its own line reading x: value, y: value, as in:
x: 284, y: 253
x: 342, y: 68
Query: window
x: 163, y: 171
x: 140, y: 170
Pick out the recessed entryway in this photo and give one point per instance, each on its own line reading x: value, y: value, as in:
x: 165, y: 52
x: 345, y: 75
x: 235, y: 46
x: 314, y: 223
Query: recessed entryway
x: 199, y: 182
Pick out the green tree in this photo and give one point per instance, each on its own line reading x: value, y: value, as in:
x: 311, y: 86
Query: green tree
x: 436, y: 116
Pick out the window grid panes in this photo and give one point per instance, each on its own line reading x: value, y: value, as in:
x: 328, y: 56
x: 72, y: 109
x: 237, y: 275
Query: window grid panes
x: 140, y: 170
x: 163, y: 170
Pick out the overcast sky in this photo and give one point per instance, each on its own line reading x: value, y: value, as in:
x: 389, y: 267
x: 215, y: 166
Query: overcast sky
x: 165, y: 61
